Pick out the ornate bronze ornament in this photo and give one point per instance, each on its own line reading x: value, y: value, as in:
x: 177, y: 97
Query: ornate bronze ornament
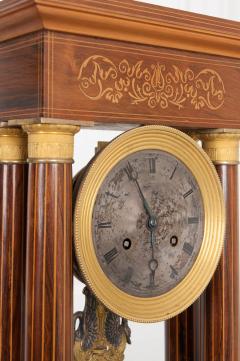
x: 149, y: 223
x: 50, y: 142
x: 221, y: 145
x: 13, y: 145
x: 100, y: 334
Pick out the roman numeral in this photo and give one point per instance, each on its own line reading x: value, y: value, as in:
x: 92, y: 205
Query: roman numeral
x: 188, y: 248
x: 188, y: 193
x: 128, y: 276
x: 112, y: 195
x: 193, y: 220
x: 105, y: 225
x: 152, y: 165
x: 111, y: 255
x: 174, y: 170
x: 174, y: 272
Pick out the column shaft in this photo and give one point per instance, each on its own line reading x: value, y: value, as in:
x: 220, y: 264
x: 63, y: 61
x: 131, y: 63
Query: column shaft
x: 13, y: 174
x: 213, y: 332
x: 183, y: 339
x: 48, y: 321
x: 222, y: 294
x: 49, y: 263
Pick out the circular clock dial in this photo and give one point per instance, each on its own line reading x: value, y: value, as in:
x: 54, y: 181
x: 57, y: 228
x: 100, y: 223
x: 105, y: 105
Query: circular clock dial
x: 148, y: 223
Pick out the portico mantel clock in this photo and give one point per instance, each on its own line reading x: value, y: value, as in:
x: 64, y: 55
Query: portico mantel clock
x: 149, y: 223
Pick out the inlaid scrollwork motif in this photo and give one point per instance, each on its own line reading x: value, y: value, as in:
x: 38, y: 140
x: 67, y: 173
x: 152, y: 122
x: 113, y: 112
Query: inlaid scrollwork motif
x: 157, y: 85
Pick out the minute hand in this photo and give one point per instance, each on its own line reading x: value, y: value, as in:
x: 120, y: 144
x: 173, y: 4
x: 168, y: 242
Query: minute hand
x: 133, y: 175
x: 145, y: 203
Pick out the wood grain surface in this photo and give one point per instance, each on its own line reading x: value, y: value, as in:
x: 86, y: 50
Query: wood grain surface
x: 121, y: 83
x: 213, y: 333
x: 59, y: 77
x: 21, y: 77
x: 124, y: 20
x: 13, y: 182
x: 48, y: 321
x: 222, y: 323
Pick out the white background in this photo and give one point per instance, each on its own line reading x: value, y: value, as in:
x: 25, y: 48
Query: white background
x: 228, y: 9
x: 147, y: 339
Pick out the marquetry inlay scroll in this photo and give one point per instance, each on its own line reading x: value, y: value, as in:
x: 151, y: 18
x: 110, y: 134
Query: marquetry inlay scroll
x: 157, y: 85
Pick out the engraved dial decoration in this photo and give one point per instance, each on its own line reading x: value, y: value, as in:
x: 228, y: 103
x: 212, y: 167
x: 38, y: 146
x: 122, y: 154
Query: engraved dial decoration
x: 148, y: 223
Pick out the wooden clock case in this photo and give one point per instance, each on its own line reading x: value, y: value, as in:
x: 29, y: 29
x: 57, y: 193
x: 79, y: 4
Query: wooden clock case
x: 65, y: 64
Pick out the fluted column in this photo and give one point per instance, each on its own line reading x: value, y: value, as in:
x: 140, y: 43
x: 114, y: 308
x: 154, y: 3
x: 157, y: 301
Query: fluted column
x: 184, y: 339
x: 48, y: 321
x: 221, y: 318
x: 13, y: 154
x: 215, y: 323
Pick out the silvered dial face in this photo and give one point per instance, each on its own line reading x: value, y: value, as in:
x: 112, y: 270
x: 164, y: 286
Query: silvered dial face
x: 148, y: 223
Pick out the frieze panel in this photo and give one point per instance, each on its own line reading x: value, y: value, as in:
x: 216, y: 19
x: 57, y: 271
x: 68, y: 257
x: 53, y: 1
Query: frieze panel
x: 155, y: 85
x: 92, y: 81
x: 99, y: 81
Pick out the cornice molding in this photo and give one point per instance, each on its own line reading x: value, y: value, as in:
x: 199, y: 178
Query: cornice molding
x: 19, y: 18
x: 123, y: 20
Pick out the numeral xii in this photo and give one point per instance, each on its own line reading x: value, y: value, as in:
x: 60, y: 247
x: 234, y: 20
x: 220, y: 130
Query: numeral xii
x: 152, y: 165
